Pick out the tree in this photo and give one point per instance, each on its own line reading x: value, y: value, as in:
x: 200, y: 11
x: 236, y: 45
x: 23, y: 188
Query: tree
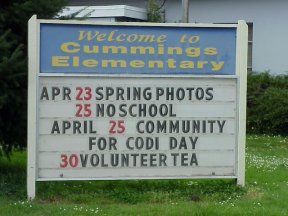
x: 153, y: 11
x: 14, y: 16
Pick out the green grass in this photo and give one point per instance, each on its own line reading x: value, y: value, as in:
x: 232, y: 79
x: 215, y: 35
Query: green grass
x: 265, y: 193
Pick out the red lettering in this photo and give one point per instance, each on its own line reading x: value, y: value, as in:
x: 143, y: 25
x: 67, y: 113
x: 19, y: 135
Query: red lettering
x: 87, y: 94
x: 83, y: 110
x: 117, y: 127
x: 72, y: 160
x: 64, y: 162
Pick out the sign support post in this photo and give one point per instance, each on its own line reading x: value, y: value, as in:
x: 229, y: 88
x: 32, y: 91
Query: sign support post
x: 241, y: 72
x: 32, y: 107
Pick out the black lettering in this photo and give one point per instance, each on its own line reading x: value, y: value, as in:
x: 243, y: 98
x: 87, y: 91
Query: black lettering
x: 119, y: 93
x: 139, y: 143
x: 76, y: 127
x: 174, y: 127
x: 114, y: 160
x: 55, y: 92
x: 185, y: 126
x: 138, y: 126
x: 136, y: 93
x: 100, y: 110
x: 66, y: 93
x: 180, y: 94
x: 193, y: 160
x: 122, y: 109
x: 142, y: 110
x: 92, y: 142
x: 44, y: 94
x: 91, y: 130
x: 128, y: 143
x: 172, y: 143
x: 101, y: 143
x: 143, y: 160
x: 171, y: 114
x: 124, y: 160
x: 152, y: 110
x: 163, y: 110
x: 161, y: 126
x: 94, y: 160
x: 190, y: 91
x: 203, y: 126
x: 85, y: 127
x: 99, y: 94
x: 184, y: 159
x: 174, y: 155
x: 147, y: 95
x: 149, y: 127
x: 112, y: 143
x: 209, y: 93
x: 221, y: 125
x: 199, y: 94
x: 65, y: 126
x: 103, y: 164
x: 196, y: 126
x: 150, y: 143
x: 156, y: 143
x: 162, y: 159
x: 134, y: 159
x: 169, y: 93
x: 128, y: 94
x: 109, y: 92
x: 111, y: 110
x: 84, y: 159
x: 153, y: 161
x: 211, y: 122
x: 159, y: 92
x: 193, y: 142
x: 131, y: 113
x: 182, y: 143
x: 55, y: 128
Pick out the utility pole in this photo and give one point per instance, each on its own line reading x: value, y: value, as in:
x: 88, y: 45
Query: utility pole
x: 185, y: 11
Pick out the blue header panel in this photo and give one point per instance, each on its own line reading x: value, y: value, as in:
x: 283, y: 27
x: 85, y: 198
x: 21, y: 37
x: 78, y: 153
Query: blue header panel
x: 114, y: 49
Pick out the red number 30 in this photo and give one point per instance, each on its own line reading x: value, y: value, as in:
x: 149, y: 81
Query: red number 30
x: 72, y: 160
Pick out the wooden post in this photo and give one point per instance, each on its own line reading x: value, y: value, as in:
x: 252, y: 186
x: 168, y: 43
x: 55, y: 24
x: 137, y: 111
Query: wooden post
x: 185, y: 11
x: 32, y: 107
x: 241, y: 71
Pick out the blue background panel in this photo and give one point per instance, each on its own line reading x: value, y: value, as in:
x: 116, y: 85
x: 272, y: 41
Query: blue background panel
x: 62, y: 50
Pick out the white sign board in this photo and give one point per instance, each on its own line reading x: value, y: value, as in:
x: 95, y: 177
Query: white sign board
x: 137, y: 127
x: 88, y: 123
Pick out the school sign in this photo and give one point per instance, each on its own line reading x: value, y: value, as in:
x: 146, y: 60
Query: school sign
x: 135, y: 101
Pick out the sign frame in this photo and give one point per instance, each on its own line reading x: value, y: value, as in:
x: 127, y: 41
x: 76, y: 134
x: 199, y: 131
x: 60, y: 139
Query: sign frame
x: 33, y: 89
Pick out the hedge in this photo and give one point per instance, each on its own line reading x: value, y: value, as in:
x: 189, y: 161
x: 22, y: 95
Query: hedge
x: 267, y: 103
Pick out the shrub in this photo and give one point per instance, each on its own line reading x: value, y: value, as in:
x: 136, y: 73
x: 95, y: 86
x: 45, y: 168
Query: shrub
x: 267, y: 103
